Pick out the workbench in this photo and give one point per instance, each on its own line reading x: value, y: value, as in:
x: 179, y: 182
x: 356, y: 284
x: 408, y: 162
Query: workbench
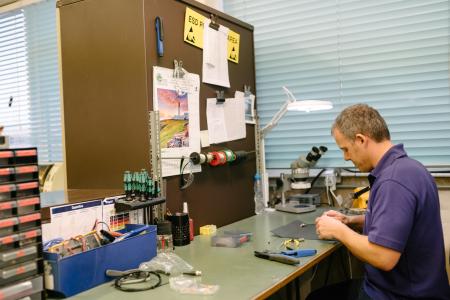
x: 237, y: 271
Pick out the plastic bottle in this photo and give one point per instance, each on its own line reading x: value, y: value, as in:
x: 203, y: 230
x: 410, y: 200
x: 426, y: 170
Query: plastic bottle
x: 259, y: 198
x: 191, y: 222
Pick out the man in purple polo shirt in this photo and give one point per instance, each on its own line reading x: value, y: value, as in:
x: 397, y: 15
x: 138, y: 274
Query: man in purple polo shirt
x: 402, y: 240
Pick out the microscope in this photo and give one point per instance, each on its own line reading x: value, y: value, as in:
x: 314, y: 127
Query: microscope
x: 297, y: 180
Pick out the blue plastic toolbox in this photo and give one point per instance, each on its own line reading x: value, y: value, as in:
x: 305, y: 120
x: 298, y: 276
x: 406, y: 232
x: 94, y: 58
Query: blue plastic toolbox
x: 76, y: 273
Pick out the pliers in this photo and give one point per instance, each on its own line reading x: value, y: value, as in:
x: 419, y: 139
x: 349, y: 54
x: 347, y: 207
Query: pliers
x: 287, y: 257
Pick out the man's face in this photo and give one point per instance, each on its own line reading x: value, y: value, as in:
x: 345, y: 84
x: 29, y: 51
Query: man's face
x: 354, y: 150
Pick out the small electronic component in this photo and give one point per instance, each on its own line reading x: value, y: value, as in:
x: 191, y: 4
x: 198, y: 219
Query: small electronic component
x: 77, y: 244
x: 292, y: 244
x: 208, y: 230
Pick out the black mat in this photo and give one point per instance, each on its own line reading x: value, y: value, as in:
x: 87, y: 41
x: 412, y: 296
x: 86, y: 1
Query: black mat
x: 293, y: 230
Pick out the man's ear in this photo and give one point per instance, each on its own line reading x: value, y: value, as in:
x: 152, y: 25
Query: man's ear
x: 360, y: 139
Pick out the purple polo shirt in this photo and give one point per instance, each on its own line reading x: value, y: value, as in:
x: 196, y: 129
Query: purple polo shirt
x: 403, y: 214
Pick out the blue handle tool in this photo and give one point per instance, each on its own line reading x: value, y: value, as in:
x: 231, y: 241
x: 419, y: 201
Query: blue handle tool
x: 131, y: 233
x: 300, y: 252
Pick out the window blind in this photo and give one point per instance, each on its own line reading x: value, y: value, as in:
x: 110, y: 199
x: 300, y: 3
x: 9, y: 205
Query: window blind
x: 392, y: 55
x: 29, y: 75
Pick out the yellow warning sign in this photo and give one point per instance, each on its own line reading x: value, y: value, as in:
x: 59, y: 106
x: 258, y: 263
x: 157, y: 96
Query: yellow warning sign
x: 193, y: 34
x: 193, y: 28
x: 233, y: 46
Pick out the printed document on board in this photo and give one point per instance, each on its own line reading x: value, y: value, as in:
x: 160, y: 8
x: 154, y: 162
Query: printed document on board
x: 177, y: 100
x: 226, y: 121
x: 215, y: 63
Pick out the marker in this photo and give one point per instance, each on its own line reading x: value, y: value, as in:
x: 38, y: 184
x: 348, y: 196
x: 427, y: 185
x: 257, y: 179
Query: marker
x: 159, y: 36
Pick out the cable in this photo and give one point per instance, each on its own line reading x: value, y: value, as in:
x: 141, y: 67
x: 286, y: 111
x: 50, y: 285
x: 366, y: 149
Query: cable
x: 330, y: 260
x: 350, y: 264
x: 338, y: 198
x: 181, y: 172
x: 184, y: 183
x: 314, y: 181
x: 104, y: 223
x: 137, y: 277
x: 328, y: 195
x: 342, y: 259
x: 351, y: 171
x: 314, y: 272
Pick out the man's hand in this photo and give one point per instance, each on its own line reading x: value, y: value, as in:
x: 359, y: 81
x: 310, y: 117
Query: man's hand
x: 338, y: 216
x: 328, y: 227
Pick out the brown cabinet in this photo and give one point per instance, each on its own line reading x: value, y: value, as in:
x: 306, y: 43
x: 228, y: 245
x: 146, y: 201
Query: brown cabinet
x: 108, y: 49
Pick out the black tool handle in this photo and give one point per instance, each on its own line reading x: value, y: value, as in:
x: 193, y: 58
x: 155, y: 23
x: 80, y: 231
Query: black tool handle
x: 277, y: 257
x: 117, y: 273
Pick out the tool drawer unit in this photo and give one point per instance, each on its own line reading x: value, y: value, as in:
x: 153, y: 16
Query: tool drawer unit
x: 21, y: 265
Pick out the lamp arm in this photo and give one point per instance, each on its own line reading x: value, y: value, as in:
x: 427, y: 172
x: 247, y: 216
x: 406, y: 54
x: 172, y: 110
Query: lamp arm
x: 276, y: 118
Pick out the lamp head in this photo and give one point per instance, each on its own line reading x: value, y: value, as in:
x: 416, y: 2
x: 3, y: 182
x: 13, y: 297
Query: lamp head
x: 309, y: 105
x: 306, y: 105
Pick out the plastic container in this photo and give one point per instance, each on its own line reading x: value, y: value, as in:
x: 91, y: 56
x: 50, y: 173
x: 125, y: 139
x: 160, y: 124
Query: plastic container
x: 180, y: 229
x: 76, y: 273
x: 17, y: 240
x: 26, y: 288
x: 14, y: 224
x: 14, y: 256
x: 6, y: 157
x: 229, y: 241
x: 18, y: 271
x: 259, y: 198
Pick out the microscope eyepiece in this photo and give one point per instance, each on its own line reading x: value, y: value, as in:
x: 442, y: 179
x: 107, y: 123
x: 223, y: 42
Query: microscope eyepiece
x: 310, y: 157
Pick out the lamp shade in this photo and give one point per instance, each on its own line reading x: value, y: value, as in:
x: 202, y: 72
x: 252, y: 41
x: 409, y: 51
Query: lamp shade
x: 309, y: 105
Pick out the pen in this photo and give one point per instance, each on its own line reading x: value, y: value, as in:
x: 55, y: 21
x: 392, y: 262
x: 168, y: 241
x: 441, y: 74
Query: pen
x: 159, y: 36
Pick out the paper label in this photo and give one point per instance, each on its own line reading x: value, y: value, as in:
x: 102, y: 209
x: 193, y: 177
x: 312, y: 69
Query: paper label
x: 233, y: 46
x: 193, y: 28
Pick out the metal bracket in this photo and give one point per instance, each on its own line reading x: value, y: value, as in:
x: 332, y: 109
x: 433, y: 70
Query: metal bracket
x: 155, y: 157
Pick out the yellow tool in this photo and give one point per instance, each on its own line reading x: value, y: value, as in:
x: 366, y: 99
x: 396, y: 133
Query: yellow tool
x: 361, y: 197
x: 292, y: 244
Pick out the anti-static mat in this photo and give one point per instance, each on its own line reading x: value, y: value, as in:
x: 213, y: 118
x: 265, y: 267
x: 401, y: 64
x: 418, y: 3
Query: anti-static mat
x: 293, y: 230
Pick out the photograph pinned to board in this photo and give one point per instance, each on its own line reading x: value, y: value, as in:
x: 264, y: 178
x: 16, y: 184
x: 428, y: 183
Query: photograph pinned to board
x: 177, y: 100
x: 249, y: 102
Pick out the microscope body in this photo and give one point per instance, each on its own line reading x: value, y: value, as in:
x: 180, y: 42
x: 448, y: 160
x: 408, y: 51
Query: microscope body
x: 298, y: 180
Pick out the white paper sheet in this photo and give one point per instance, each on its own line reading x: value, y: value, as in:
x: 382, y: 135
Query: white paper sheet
x: 226, y: 121
x: 215, y: 63
x: 204, y: 138
x: 249, y: 106
x: 70, y: 220
x: 177, y: 101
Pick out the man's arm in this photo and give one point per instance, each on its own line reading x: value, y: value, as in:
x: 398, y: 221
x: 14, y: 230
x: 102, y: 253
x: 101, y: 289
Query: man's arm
x: 378, y: 256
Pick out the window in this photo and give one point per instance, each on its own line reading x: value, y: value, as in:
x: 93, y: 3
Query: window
x: 393, y: 55
x: 29, y: 83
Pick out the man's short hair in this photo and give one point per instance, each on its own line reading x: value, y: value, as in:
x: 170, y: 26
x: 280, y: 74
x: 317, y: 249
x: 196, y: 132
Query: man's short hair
x: 363, y: 119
